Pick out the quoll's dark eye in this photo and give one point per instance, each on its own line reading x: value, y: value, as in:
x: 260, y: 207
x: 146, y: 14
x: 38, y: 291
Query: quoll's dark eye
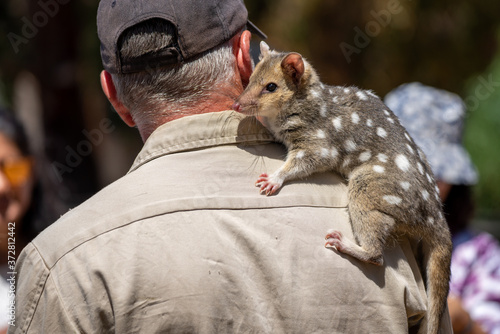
x: 271, y: 87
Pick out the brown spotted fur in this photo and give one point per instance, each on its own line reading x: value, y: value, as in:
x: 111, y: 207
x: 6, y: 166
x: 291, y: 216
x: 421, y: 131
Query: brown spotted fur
x: 350, y: 131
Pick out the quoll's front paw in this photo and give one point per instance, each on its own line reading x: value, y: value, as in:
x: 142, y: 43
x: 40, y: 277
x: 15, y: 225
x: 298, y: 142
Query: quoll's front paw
x: 267, y: 185
x: 334, y: 240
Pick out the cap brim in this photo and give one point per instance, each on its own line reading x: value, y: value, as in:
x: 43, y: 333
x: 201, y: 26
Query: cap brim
x: 254, y: 30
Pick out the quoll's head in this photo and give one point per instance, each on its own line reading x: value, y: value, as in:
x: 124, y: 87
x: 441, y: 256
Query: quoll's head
x: 276, y: 79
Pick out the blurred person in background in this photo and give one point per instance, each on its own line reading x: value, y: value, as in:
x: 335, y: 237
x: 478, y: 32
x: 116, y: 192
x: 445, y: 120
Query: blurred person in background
x: 435, y: 120
x: 17, y: 184
x: 23, y: 214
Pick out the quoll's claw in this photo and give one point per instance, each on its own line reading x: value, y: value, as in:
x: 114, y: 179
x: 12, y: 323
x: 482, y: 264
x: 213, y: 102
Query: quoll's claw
x: 333, y: 234
x: 261, y: 180
x: 267, y: 187
x: 334, y: 239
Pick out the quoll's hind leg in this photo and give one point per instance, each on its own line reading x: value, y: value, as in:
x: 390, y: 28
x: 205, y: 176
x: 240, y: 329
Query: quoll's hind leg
x: 371, y: 230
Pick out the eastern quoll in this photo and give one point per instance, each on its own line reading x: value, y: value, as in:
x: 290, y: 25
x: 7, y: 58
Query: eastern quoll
x: 350, y: 131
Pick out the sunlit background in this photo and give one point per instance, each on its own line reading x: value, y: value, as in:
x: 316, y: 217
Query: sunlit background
x: 50, y: 65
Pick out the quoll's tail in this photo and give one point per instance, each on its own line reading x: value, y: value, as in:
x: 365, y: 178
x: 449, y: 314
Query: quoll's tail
x: 437, y: 259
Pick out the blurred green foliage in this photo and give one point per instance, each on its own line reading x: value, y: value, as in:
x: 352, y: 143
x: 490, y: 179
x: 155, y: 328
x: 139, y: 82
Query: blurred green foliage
x: 482, y: 137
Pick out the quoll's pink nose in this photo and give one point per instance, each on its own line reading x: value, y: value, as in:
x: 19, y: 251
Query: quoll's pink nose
x: 237, y: 107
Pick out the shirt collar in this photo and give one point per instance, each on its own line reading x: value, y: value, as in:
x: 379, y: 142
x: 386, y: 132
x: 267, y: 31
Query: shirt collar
x: 201, y: 131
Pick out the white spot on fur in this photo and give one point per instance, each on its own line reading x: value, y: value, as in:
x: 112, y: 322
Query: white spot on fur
x: 337, y: 123
x: 390, y: 120
x: 430, y: 220
x: 425, y: 195
x: 324, y: 152
x: 350, y: 145
x: 334, y: 153
x: 292, y: 122
x: 320, y: 134
x: 300, y: 154
x: 323, y: 110
x: 335, y: 99
x: 365, y: 156
x: 369, y: 92
x: 346, y: 90
x: 387, y: 113
x: 362, y: 96
x: 405, y: 185
x: 378, y: 169
x: 382, y: 157
x: 330, y: 91
x: 407, y: 136
x: 402, y: 162
x: 395, y: 200
x: 420, y: 168
x: 355, y: 118
x: 381, y: 132
x: 315, y: 93
x: 429, y: 178
x: 369, y: 122
x: 410, y: 149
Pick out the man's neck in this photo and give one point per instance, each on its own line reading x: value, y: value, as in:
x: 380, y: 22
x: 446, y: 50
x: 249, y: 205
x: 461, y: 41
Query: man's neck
x: 215, y: 103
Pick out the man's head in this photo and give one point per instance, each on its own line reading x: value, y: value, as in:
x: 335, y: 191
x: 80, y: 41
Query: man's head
x: 170, y: 58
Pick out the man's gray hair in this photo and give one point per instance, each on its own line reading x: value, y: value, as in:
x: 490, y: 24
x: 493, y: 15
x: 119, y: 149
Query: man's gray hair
x: 164, y: 91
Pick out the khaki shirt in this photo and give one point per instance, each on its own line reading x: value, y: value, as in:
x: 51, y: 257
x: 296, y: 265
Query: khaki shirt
x: 184, y: 243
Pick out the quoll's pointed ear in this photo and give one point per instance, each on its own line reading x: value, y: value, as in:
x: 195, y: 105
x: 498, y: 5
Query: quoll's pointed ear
x: 264, y: 49
x: 293, y: 66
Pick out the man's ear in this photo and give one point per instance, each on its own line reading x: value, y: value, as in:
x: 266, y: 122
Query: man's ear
x: 108, y: 87
x: 293, y: 66
x: 241, y: 48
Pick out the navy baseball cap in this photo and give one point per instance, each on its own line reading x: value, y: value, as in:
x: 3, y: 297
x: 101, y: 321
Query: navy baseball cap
x: 201, y: 26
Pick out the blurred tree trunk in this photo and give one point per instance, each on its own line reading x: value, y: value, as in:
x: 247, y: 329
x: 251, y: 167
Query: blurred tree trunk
x: 55, y: 48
